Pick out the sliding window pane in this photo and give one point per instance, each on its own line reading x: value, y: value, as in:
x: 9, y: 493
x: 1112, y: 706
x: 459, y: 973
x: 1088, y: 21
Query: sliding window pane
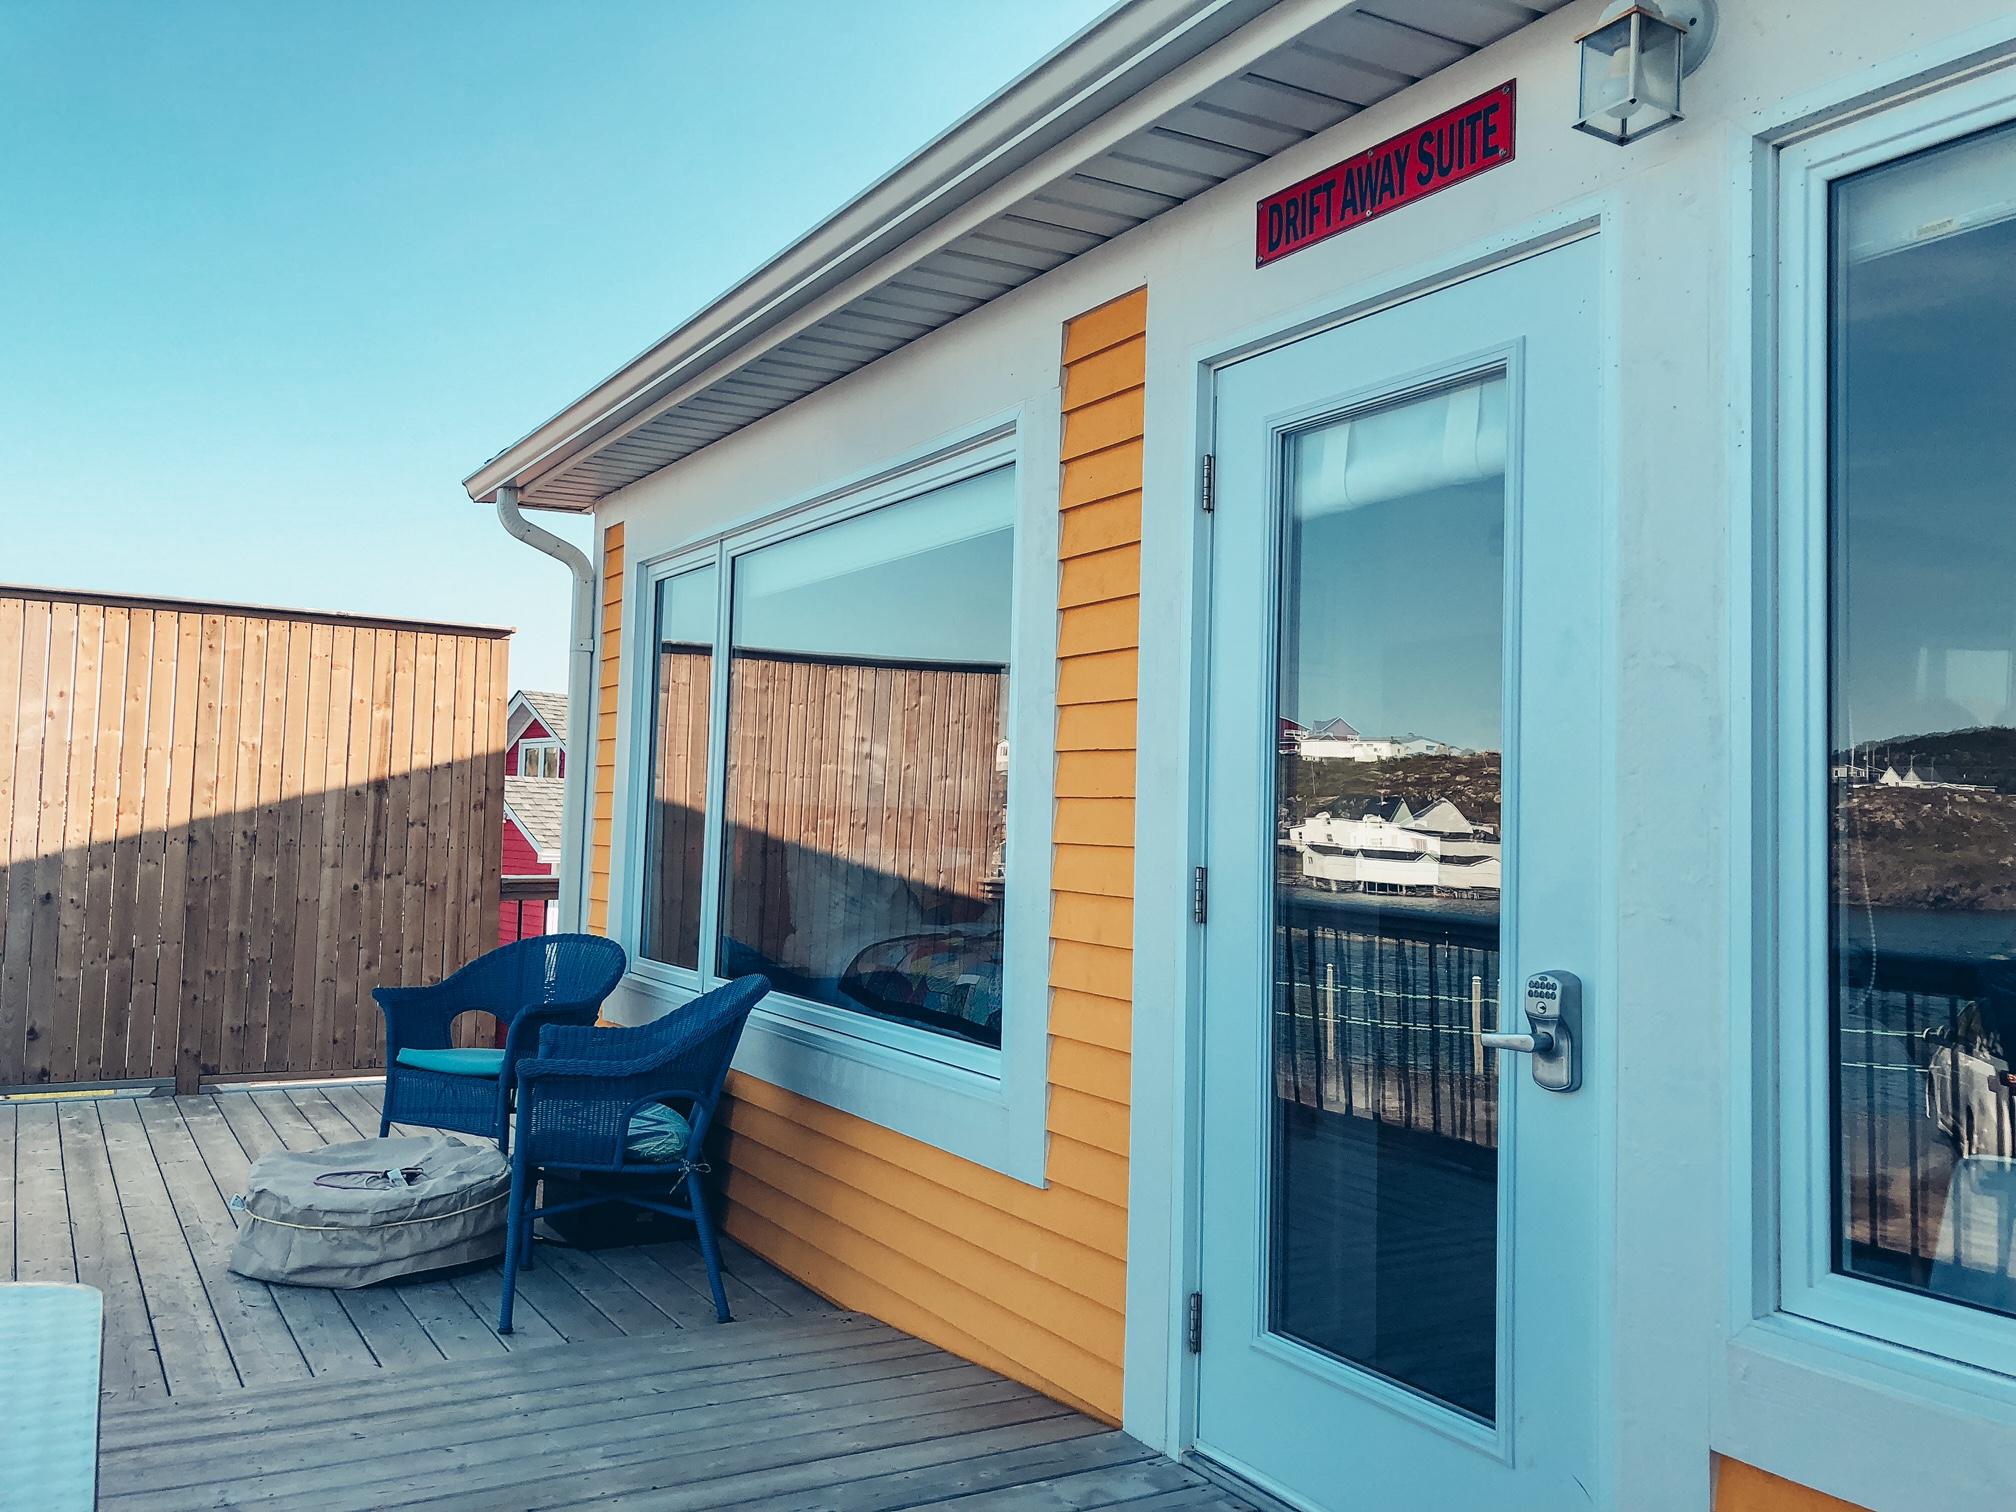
x: 675, y: 846
x: 867, y: 791
x: 1923, y: 767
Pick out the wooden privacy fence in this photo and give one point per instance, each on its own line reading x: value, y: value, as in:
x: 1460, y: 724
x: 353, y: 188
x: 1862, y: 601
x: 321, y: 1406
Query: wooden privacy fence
x: 222, y: 826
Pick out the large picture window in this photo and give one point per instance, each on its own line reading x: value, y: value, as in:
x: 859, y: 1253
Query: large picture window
x: 1922, y: 712
x: 866, y: 804
x: 859, y: 857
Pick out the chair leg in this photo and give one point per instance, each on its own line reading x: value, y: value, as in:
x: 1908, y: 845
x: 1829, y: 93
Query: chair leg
x: 696, y: 1198
x: 533, y: 1192
x: 514, y: 1224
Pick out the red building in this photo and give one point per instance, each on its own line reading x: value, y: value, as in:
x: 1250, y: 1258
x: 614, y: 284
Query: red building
x: 534, y: 764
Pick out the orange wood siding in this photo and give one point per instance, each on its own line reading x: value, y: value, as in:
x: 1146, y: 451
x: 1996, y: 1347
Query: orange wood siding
x: 1744, y: 1488
x: 1030, y: 1282
x: 604, y: 773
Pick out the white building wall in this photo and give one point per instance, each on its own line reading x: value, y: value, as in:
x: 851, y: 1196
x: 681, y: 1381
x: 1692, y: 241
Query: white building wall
x: 1677, y: 452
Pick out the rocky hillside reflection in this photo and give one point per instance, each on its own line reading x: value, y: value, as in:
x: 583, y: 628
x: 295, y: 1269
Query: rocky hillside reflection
x: 1928, y: 822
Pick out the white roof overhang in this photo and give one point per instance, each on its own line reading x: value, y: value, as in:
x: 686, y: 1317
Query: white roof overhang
x: 1151, y: 105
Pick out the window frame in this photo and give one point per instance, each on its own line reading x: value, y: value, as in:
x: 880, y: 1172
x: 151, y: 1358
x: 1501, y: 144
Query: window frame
x: 526, y: 747
x: 1794, y: 932
x: 975, y: 1101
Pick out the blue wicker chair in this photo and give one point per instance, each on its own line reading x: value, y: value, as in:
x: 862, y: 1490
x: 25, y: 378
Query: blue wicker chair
x: 529, y: 984
x: 577, y: 1097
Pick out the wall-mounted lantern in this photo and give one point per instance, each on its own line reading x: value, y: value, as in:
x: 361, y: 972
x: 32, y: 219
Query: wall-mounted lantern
x: 1633, y: 62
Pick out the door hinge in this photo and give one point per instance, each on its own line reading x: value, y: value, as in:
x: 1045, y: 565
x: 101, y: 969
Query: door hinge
x: 1194, y: 1331
x: 1200, y: 895
x: 1210, y: 482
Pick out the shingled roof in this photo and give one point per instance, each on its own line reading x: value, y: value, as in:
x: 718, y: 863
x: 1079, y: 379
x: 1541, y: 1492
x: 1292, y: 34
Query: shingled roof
x: 537, y: 805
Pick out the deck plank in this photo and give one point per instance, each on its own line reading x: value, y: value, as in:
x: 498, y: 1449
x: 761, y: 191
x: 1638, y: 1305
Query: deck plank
x: 673, y: 1407
x: 42, y: 1247
x: 350, y: 1101
x: 1113, y: 1485
x: 953, y: 1481
x: 329, y: 1342
x: 950, y: 1482
x: 792, y: 1296
x: 262, y: 1346
x: 548, y: 1293
x: 645, y: 1451
x: 670, y: 1294
x: 607, y: 1369
x: 323, y: 1116
x: 187, y: 1332
x: 684, y: 1262
x: 394, y: 1334
x: 530, y: 1328
x: 451, y: 1320
x: 813, y: 1463
x: 606, y: 1291
x: 293, y: 1131
x: 131, y: 1362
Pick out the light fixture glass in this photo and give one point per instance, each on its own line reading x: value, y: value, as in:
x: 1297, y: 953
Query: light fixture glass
x: 1631, y: 69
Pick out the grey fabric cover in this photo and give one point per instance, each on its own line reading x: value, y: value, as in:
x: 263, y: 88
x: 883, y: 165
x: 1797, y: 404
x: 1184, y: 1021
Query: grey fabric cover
x: 295, y: 1231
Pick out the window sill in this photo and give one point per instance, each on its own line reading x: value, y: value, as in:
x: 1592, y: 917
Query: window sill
x: 1828, y: 1407
x: 958, y: 1108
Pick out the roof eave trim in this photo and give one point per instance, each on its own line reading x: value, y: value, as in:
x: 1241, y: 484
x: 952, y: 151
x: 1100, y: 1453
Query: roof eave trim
x: 1124, y: 53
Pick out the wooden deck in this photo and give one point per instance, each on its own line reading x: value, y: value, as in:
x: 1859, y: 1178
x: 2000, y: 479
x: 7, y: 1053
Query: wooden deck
x: 617, y: 1389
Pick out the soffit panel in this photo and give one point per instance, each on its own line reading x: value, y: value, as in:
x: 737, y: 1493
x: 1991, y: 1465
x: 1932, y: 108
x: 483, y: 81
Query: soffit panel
x: 1327, y: 74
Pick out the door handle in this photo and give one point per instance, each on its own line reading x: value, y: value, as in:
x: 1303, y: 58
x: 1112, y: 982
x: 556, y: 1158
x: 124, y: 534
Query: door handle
x: 1537, y: 1043
x: 1553, y: 1004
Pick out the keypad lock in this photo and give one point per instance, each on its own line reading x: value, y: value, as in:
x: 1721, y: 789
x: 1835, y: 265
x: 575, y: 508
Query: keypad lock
x: 1553, y: 1003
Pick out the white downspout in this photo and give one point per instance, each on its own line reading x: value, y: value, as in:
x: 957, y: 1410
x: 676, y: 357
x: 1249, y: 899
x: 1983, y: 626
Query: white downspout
x: 574, y: 825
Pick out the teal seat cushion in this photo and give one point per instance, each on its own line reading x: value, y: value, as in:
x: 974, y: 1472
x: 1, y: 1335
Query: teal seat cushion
x: 657, y: 1135
x: 488, y: 1063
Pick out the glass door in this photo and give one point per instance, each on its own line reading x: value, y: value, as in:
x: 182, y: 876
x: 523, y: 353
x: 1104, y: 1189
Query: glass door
x: 1399, y: 1216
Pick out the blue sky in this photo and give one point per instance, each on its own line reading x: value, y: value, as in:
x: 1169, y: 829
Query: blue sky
x: 276, y: 277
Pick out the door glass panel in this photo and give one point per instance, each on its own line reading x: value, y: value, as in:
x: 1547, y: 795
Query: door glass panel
x: 1922, y: 787
x: 675, y: 829
x: 1387, y: 876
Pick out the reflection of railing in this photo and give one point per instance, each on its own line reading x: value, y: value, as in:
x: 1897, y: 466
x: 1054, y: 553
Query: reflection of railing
x: 1907, y: 1099
x: 1376, y: 1012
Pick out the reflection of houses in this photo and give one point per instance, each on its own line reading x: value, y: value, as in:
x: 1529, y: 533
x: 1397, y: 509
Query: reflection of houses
x: 1929, y: 778
x: 1335, y: 740
x: 1390, y: 848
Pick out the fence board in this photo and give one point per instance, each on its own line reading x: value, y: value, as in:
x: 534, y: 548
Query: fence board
x: 101, y: 835
x: 221, y: 827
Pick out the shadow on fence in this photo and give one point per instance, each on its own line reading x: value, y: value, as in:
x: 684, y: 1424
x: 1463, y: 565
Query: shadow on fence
x: 219, y: 829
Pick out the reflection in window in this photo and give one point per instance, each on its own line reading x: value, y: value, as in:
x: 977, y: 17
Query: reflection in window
x: 1923, y: 766
x: 1387, y: 879
x: 675, y: 843
x: 867, y: 786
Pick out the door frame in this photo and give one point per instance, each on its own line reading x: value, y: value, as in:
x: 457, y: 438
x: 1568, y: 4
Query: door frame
x: 1494, y: 1440
x: 1165, y: 1176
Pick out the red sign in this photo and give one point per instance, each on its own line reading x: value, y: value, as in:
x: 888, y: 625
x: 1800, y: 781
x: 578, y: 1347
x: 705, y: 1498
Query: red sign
x: 1456, y: 145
